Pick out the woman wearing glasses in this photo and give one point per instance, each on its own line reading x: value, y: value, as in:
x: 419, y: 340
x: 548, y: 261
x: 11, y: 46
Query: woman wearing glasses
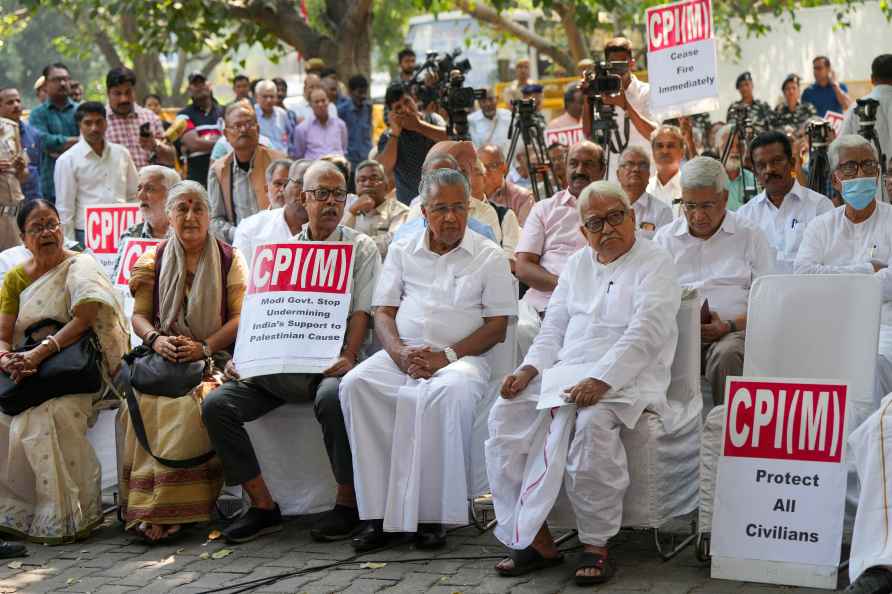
x: 182, y: 325
x: 50, y: 476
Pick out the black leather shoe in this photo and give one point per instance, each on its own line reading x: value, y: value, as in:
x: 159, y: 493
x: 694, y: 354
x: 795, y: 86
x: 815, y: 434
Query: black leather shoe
x: 256, y: 522
x: 8, y: 550
x: 372, y: 536
x: 875, y: 580
x: 339, y: 523
x: 430, y: 536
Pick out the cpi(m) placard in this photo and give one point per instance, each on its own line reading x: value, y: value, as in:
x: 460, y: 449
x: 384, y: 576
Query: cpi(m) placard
x: 681, y: 59
x: 566, y: 136
x: 295, y: 310
x: 133, y: 248
x: 781, y: 485
x: 103, y: 228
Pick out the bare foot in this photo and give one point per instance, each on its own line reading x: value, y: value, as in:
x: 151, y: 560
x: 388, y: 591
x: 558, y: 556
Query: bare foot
x: 153, y: 532
x: 592, y: 571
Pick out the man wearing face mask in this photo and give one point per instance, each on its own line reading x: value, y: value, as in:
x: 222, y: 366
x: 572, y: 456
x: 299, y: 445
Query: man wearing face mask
x: 857, y: 238
x: 784, y: 209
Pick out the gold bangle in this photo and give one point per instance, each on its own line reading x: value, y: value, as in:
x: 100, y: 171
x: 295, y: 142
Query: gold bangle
x: 53, y: 340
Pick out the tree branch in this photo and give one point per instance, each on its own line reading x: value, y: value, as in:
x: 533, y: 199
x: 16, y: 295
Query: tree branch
x: 575, y: 40
x: 488, y: 15
x: 283, y: 21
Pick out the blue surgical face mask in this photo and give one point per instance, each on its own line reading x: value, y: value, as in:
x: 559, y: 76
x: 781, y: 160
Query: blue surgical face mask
x: 859, y: 192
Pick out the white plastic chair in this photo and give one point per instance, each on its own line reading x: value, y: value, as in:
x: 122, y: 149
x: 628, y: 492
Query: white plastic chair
x: 102, y: 437
x: 804, y: 326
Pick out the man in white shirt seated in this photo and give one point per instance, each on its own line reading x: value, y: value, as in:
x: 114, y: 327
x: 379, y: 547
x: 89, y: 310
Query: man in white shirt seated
x: 784, y: 208
x: 667, y: 143
x: 720, y: 254
x: 610, y: 332
x: 856, y: 238
x: 93, y: 172
x: 375, y: 212
x: 633, y: 173
x: 443, y: 299
x: 275, y: 224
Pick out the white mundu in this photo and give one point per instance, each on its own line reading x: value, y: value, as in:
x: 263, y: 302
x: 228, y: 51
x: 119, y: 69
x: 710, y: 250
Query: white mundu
x: 835, y: 245
x: 619, y: 321
x: 410, y: 438
x: 785, y: 226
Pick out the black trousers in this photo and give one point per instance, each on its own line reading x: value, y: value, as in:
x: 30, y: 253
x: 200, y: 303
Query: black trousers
x: 229, y: 407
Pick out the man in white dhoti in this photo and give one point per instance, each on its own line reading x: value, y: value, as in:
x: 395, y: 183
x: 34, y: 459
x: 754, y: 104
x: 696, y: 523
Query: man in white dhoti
x: 857, y: 238
x: 443, y: 299
x: 609, y: 337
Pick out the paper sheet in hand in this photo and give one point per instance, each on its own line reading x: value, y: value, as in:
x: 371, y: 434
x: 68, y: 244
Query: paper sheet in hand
x: 556, y: 380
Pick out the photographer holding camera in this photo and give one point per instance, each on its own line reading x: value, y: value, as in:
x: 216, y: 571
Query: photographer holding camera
x: 881, y: 77
x: 633, y: 100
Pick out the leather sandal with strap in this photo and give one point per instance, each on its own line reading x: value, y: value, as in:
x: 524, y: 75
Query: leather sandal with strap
x: 527, y: 561
x: 590, y: 560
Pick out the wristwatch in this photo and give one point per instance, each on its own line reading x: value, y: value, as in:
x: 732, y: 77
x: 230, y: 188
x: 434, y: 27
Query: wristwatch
x: 451, y: 355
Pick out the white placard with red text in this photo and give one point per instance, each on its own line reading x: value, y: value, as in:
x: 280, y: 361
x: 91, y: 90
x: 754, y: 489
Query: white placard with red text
x: 566, y: 136
x: 836, y: 120
x: 681, y: 59
x: 133, y: 248
x: 781, y: 484
x: 103, y: 228
x: 295, y: 311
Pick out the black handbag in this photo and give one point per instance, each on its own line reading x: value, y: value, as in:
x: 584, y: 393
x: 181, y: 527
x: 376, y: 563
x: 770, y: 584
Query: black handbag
x: 73, y: 370
x: 152, y: 374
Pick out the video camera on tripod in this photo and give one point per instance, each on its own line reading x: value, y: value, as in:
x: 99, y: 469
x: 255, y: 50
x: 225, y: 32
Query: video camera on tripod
x: 742, y: 133
x: 818, y: 133
x: 441, y: 79
x: 866, y: 109
x: 527, y: 124
x: 606, y: 80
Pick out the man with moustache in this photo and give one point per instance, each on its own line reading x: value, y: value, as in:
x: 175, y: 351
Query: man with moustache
x: 236, y: 183
x: 550, y: 236
x: 667, y: 143
x: 29, y: 139
x: 126, y: 120
x: 54, y: 121
x: 375, y: 213
x: 236, y: 402
x: 633, y: 173
x: 784, y: 209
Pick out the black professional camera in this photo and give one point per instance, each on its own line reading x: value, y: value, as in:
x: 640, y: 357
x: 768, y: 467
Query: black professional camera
x: 606, y: 79
x: 818, y: 132
x: 866, y: 110
x: 456, y: 96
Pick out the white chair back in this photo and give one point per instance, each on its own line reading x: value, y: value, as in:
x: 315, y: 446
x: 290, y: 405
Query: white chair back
x: 815, y: 327
x: 684, y: 393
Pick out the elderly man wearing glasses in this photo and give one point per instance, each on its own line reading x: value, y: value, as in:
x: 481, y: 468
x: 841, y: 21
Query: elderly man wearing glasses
x: 720, y: 254
x: 229, y: 407
x: 857, y: 238
x: 374, y: 213
x: 609, y: 334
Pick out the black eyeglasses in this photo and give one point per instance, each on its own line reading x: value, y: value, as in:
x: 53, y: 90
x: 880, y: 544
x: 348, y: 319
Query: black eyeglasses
x: 870, y: 168
x: 614, y: 217
x: 323, y: 194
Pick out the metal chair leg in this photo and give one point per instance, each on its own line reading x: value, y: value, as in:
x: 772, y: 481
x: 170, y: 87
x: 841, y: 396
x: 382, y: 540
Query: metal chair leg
x: 565, y: 537
x: 687, y: 540
x: 703, y: 548
x: 484, y: 518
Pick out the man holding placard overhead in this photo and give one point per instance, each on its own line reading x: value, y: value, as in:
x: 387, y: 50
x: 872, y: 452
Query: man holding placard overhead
x: 601, y: 358
x: 443, y: 301
x: 228, y: 408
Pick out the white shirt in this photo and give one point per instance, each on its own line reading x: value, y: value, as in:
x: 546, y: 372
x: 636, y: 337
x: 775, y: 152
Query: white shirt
x: 883, y: 94
x: 638, y: 94
x: 620, y: 318
x: 304, y: 110
x: 667, y: 192
x: 267, y: 226
x: 785, y: 226
x: 84, y: 178
x: 490, y: 131
x: 723, y: 267
x: 650, y: 215
x: 442, y: 299
x: 833, y: 244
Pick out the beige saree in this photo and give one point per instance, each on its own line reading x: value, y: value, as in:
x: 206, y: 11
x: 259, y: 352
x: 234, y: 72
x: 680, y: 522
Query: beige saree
x: 49, y: 474
x: 151, y: 492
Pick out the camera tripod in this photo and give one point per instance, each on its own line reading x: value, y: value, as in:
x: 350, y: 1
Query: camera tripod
x: 604, y: 130
x: 867, y: 110
x: 819, y: 169
x: 527, y: 126
x: 742, y: 133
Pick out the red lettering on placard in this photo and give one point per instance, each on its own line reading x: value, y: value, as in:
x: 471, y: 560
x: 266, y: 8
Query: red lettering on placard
x: 135, y: 248
x: 785, y: 420
x: 105, y: 224
x: 312, y: 267
x: 565, y: 136
x: 673, y: 25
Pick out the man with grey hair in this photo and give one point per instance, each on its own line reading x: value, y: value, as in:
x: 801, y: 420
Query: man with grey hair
x: 273, y: 120
x: 153, y: 184
x: 667, y: 143
x: 740, y: 179
x: 236, y: 402
x: 373, y: 213
x: 857, y: 238
x: 633, y: 173
x: 276, y: 180
x: 275, y: 224
x: 443, y: 300
x: 610, y: 333
x: 720, y: 254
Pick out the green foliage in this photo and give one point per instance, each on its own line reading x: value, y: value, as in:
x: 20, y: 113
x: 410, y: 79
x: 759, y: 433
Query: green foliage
x: 389, y: 25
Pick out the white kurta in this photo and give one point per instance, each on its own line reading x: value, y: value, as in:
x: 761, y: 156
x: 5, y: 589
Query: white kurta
x: 267, y: 226
x: 668, y: 192
x: 619, y: 319
x: 410, y: 438
x: 871, y: 445
x: 723, y: 267
x: 833, y: 244
x: 650, y: 215
x: 785, y: 226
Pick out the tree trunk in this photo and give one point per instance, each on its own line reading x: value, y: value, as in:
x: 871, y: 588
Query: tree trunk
x: 575, y: 39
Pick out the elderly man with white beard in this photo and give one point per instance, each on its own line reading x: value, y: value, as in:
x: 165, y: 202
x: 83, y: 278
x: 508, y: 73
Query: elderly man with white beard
x: 443, y: 300
x: 609, y: 334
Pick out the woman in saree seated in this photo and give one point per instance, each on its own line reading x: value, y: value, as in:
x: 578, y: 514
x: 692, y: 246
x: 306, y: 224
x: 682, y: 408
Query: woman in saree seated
x: 49, y: 474
x: 186, y: 309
